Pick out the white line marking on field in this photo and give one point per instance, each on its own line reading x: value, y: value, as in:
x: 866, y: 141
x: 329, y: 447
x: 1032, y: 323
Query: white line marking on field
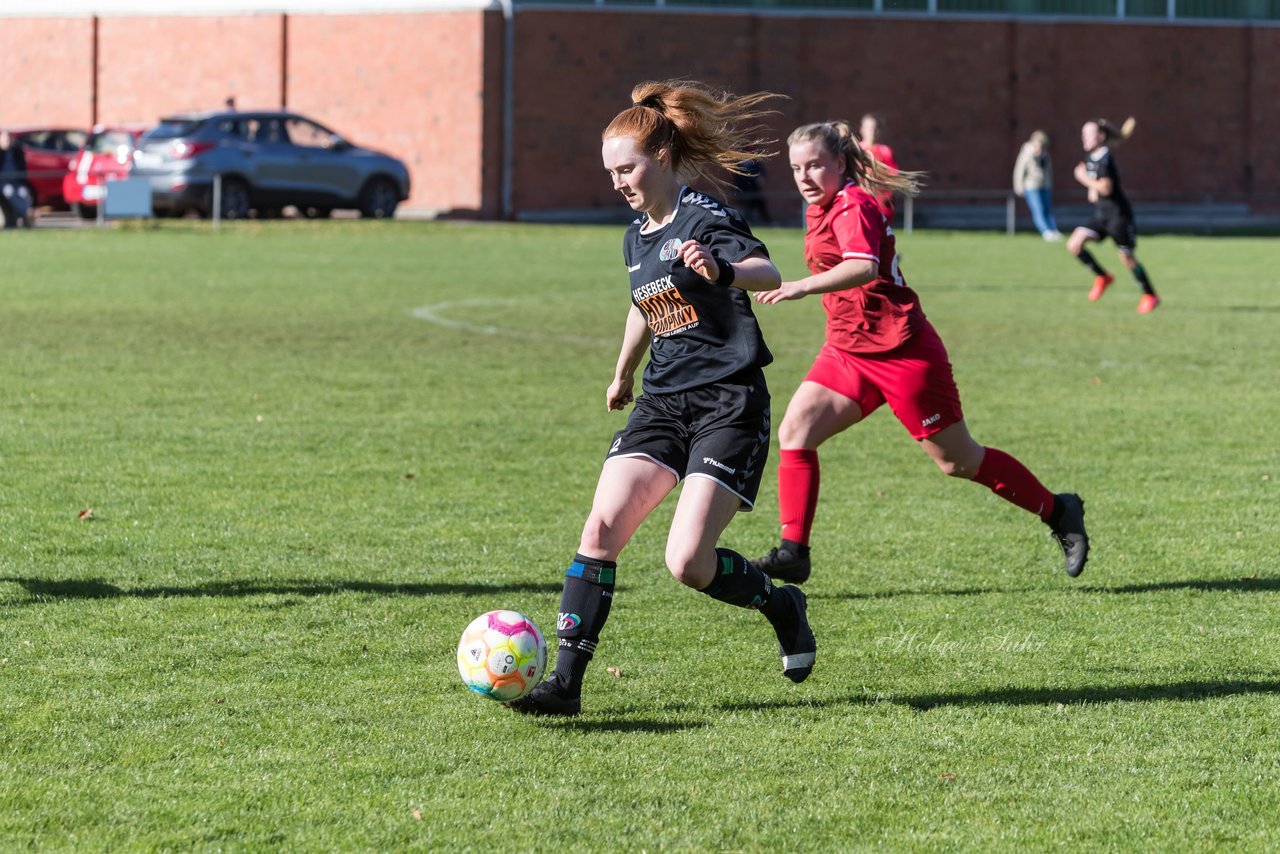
x: 435, y: 314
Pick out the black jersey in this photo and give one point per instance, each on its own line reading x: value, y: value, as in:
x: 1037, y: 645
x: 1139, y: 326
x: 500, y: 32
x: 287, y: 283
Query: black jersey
x: 701, y: 333
x: 1100, y: 164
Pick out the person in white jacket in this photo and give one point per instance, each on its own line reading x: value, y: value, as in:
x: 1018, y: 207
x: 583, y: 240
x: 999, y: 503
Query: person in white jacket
x: 1033, y: 181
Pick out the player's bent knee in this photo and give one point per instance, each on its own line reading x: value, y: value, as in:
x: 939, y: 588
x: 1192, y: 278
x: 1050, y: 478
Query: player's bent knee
x: 685, y: 574
x: 599, y: 537
x: 796, y: 432
x: 956, y: 468
x: 683, y: 565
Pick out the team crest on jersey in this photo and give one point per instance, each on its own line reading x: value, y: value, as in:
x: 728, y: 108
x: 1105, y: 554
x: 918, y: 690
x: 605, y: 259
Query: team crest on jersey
x: 671, y: 249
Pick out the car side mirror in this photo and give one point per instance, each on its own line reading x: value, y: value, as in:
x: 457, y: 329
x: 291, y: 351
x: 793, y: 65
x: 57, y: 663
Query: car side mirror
x: 337, y: 143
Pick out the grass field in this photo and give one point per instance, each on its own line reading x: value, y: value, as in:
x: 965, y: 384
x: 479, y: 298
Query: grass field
x: 313, y: 452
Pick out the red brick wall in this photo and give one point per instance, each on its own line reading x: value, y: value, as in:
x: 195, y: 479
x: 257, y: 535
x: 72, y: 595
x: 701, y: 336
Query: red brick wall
x: 959, y: 96
x: 149, y: 67
x: 1263, y: 114
x: 414, y: 85
x: 47, y: 69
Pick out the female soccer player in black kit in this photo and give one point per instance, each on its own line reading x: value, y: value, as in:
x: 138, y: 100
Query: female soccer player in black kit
x: 704, y: 412
x: 1113, y: 216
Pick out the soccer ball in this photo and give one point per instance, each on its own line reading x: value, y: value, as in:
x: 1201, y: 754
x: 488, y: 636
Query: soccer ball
x: 502, y: 655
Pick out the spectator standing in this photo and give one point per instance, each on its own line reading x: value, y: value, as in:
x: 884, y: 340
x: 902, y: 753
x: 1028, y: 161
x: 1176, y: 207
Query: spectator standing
x: 1033, y: 181
x: 15, y: 194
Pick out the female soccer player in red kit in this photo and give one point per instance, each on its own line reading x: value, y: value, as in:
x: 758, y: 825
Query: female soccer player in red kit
x: 879, y: 348
x: 869, y: 138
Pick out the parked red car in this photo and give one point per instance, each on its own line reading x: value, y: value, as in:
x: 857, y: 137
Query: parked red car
x: 48, y: 152
x: 107, y: 155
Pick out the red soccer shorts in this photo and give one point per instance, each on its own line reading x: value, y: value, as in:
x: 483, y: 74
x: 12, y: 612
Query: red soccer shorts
x: 914, y: 379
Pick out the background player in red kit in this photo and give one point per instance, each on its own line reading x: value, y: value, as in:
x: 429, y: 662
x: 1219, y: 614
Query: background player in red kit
x: 704, y: 414
x: 879, y: 348
x: 1112, y: 214
x: 870, y: 137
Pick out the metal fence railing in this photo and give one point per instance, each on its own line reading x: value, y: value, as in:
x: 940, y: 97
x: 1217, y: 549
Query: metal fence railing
x: 1137, y: 10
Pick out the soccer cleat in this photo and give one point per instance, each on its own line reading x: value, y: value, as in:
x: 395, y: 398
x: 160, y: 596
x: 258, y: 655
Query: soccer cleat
x: 796, y: 643
x: 784, y: 564
x: 547, y: 701
x: 1100, y: 285
x: 1148, y: 303
x: 1070, y: 534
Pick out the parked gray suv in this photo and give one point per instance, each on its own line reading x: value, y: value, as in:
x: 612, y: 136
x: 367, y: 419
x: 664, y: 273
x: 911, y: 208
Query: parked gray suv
x: 268, y: 160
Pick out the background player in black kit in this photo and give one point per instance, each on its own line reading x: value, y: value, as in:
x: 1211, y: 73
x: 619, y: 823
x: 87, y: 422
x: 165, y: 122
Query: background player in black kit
x: 704, y: 413
x: 1113, y: 216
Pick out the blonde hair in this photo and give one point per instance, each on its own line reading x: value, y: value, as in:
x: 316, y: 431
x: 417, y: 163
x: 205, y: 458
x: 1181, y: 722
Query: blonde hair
x: 859, y: 166
x: 701, y: 128
x: 1115, y: 134
x: 1040, y: 137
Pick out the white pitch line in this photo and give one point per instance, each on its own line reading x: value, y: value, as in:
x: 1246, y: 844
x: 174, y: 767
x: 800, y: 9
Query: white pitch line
x: 435, y: 314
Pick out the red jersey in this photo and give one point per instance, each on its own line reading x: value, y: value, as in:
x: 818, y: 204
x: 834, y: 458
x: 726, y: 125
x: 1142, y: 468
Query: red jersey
x: 883, y: 154
x: 876, y: 317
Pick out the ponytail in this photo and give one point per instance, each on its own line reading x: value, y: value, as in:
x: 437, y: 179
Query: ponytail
x: 860, y: 167
x: 1116, y: 135
x: 701, y: 128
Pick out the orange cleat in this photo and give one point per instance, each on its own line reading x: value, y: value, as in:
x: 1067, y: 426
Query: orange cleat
x: 1148, y: 303
x: 1100, y: 284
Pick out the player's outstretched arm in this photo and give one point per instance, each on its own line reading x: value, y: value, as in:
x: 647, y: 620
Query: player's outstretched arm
x: 850, y: 273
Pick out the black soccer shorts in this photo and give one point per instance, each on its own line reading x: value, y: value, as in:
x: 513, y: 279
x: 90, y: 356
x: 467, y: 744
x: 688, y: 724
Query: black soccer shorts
x: 1120, y: 228
x: 718, y: 431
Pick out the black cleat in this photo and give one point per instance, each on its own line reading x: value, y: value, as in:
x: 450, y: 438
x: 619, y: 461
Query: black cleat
x: 1070, y: 534
x: 783, y: 563
x: 547, y: 701
x: 796, y: 643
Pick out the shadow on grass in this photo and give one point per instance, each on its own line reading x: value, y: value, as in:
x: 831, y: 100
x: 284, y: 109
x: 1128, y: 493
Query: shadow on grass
x: 1244, y: 309
x: 43, y: 589
x: 1238, y: 585
x: 652, y: 727
x: 893, y: 594
x: 1190, y: 691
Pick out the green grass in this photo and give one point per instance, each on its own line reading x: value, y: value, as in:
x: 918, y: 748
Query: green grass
x: 302, y: 491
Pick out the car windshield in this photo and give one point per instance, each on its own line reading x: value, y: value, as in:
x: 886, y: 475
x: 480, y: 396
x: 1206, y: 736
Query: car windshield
x: 173, y: 128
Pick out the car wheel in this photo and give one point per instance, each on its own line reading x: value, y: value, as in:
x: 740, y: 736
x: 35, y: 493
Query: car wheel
x: 318, y: 213
x: 378, y: 199
x: 86, y: 211
x: 235, y: 199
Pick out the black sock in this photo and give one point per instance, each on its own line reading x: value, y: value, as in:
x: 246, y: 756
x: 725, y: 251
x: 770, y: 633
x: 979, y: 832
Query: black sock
x: 1140, y: 273
x: 1055, y: 515
x: 1087, y: 259
x: 738, y: 584
x: 792, y: 546
x: 584, y: 607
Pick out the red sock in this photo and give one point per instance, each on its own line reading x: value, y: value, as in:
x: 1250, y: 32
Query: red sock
x: 1011, y: 480
x: 797, y: 493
